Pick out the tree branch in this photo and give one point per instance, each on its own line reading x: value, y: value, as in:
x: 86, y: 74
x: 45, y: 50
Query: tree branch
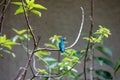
x: 88, y: 45
x: 22, y: 75
x: 80, y: 30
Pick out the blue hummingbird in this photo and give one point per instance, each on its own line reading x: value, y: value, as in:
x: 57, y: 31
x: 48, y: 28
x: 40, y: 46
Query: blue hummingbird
x: 62, y: 45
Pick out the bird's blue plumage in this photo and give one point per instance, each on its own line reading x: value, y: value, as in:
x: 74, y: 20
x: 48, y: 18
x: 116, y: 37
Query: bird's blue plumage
x: 62, y: 45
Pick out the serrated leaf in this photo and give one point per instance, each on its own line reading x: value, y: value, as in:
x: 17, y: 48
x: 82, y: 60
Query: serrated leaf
x: 106, y: 51
x: 36, y: 12
x: 105, y: 74
x: 117, y: 66
x: 39, y: 6
x: 106, y: 61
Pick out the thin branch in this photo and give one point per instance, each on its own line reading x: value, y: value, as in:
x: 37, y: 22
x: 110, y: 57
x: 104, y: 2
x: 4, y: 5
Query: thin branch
x: 22, y: 75
x: 34, y: 61
x: 81, y: 26
x: 28, y: 25
x: 76, y: 40
x: 34, y: 64
x: 92, y: 54
x: 90, y: 34
x: 2, y: 16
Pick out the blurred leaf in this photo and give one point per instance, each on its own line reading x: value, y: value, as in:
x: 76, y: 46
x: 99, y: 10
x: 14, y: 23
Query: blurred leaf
x: 10, y: 53
x: 9, y: 42
x: 27, y: 36
x: 51, y: 61
x: 102, y: 60
x: 42, y: 71
x: 106, y: 51
x: 17, y: 3
x: 117, y: 66
x: 39, y: 54
x: 36, y: 12
x: 1, y: 56
x: 79, y: 53
x: 39, y: 6
x: 2, y: 39
x: 105, y: 74
x: 19, y: 32
x: 72, y: 69
x: 19, y: 10
x: 51, y: 46
x: 15, y: 38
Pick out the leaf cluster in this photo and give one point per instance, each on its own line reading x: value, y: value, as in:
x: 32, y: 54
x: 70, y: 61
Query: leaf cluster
x: 29, y: 6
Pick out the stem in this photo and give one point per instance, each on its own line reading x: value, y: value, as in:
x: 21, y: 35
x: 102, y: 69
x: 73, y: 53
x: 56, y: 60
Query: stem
x: 22, y: 75
x: 92, y: 53
x: 88, y: 45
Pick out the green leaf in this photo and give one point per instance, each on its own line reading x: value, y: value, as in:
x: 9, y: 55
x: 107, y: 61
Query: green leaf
x: 9, y: 42
x: 117, y: 66
x: 1, y: 56
x: 10, y: 53
x: 17, y: 3
x: 36, y: 12
x: 106, y: 51
x: 14, y: 39
x: 39, y: 54
x: 51, y: 46
x: 19, y: 10
x: 2, y: 39
x: 27, y: 1
x: 27, y: 36
x: 49, y: 59
x: 105, y: 74
x: 39, y: 6
x: 42, y: 71
x: 102, y: 60
x: 8, y: 46
x: 20, y: 32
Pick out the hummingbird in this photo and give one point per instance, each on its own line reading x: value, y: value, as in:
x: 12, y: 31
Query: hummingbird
x: 62, y: 45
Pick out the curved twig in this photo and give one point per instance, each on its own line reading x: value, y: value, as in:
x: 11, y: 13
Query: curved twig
x: 76, y: 40
x: 81, y: 27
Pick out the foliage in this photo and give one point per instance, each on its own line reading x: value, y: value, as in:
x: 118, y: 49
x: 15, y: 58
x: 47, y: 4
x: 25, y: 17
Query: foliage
x: 6, y: 46
x: 99, y: 35
x: 117, y: 66
x: 29, y: 6
x: 65, y: 66
x: 96, y: 39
